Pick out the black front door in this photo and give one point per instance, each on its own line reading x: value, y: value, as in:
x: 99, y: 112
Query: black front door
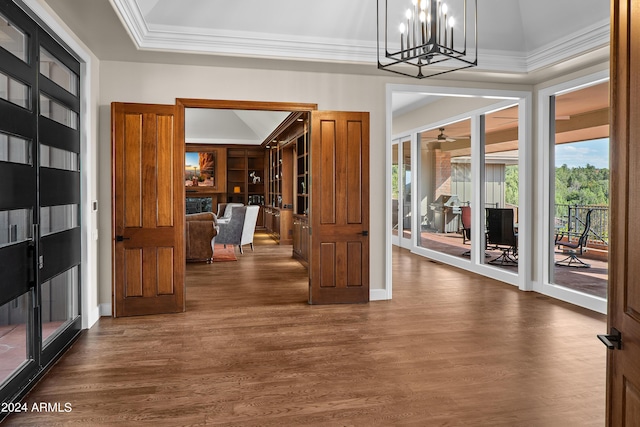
x: 40, y: 239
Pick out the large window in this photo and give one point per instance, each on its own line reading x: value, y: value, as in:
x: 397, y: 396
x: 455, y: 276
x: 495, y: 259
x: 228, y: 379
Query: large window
x: 445, y: 184
x: 458, y: 187
x: 579, y: 189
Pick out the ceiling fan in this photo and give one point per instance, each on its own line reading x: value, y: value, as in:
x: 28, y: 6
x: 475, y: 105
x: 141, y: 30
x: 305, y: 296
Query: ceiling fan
x: 441, y: 137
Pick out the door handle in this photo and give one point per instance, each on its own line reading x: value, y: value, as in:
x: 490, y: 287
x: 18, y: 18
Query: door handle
x: 614, y: 337
x: 365, y: 233
x: 122, y: 238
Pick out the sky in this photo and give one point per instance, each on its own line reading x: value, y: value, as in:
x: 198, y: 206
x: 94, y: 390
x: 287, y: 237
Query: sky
x: 594, y: 152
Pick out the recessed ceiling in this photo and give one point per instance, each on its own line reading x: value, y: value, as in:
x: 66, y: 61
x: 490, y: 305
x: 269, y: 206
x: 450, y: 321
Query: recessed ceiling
x: 516, y: 36
x: 513, y: 35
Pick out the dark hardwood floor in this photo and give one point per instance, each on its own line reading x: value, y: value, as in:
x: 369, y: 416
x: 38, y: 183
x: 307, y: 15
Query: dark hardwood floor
x: 450, y: 349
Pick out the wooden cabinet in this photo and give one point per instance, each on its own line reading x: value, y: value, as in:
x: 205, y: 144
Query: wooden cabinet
x: 279, y: 224
x: 301, y: 238
x: 279, y: 210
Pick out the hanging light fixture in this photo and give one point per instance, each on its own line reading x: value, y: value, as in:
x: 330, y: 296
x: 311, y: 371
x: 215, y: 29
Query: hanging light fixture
x: 427, y: 38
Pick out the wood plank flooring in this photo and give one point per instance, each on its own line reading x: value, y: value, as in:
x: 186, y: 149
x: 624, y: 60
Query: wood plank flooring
x: 451, y: 349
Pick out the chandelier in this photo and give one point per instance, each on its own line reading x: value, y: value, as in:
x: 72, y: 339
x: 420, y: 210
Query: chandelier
x: 427, y: 38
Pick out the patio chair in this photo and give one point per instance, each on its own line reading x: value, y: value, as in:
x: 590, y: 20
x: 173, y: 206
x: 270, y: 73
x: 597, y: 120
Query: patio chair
x: 465, y: 219
x: 574, y: 248
x: 501, y: 234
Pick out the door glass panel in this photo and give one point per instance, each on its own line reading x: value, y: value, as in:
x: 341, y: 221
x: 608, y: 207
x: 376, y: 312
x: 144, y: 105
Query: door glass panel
x: 14, y: 91
x: 59, y: 303
x: 395, y: 190
x: 58, y: 72
x: 14, y: 322
x: 15, y: 226
x: 52, y: 157
x: 13, y: 39
x: 14, y: 149
x: 54, y: 219
x: 445, y: 188
x: 57, y: 112
x: 501, y: 189
x: 579, y: 243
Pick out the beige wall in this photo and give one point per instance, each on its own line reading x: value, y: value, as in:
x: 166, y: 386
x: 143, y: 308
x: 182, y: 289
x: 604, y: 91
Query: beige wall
x: 158, y: 83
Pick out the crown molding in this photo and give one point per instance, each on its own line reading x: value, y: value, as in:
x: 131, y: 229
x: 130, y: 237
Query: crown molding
x: 273, y: 46
x: 589, y: 38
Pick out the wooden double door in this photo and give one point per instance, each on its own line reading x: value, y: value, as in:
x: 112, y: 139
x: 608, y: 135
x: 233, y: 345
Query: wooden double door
x: 148, y: 205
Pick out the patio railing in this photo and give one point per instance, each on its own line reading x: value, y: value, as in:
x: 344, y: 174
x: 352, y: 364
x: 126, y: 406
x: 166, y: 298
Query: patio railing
x: 571, y: 218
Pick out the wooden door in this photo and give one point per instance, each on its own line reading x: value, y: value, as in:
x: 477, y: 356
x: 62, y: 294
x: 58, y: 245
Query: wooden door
x: 339, y: 259
x: 148, y: 210
x: 623, y: 365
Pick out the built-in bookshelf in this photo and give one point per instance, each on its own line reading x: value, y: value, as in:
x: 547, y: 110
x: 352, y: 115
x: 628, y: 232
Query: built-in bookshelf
x: 302, y: 175
x: 245, y: 176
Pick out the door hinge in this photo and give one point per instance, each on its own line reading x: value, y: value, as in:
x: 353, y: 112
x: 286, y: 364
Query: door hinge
x: 613, y: 340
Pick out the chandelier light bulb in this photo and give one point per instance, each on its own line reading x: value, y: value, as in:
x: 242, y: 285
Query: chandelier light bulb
x: 445, y: 8
x: 402, y: 28
x: 423, y: 16
x: 452, y: 22
x: 429, y: 18
x: 423, y: 4
x: 408, y: 14
x: 414, y: 2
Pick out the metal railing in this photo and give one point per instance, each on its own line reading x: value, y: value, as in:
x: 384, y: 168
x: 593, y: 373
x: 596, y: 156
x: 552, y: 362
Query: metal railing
x: 571, y: 218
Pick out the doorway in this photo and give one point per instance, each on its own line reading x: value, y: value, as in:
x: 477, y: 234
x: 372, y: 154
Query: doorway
x: 338, y: 202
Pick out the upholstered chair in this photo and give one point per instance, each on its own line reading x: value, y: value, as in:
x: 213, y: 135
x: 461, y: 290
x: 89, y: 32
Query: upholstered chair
x: 239, y: 230
x: 201, y: 230
x: 225, y: 211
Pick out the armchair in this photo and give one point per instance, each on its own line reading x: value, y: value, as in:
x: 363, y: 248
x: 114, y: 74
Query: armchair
x: 200, y: 232
x: 225, y: 210
x: 574, y: 248
x: 239, y: 230
x: 501, y: 234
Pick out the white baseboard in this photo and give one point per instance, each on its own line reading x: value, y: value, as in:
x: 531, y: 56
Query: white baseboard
x: 105, y: 309
x: 91, y: 318
x: 378, y: 295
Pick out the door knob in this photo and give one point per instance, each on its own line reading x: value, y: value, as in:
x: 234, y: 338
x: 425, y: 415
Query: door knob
x: 121, y: 238
x: 613, y: 340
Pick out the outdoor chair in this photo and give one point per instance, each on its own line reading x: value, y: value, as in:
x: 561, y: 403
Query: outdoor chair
x: 574, y: 248
x: 501, y: 235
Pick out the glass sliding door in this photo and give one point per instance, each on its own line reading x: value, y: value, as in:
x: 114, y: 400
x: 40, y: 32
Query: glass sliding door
x: 501, y: 188
x: 579, y: 189
x: 445, y: 187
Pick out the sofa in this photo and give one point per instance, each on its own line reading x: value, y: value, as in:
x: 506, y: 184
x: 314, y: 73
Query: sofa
x: 201, y: 230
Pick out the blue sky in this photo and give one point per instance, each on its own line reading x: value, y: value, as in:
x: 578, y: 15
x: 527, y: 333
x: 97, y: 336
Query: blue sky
x: 594, y: 152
